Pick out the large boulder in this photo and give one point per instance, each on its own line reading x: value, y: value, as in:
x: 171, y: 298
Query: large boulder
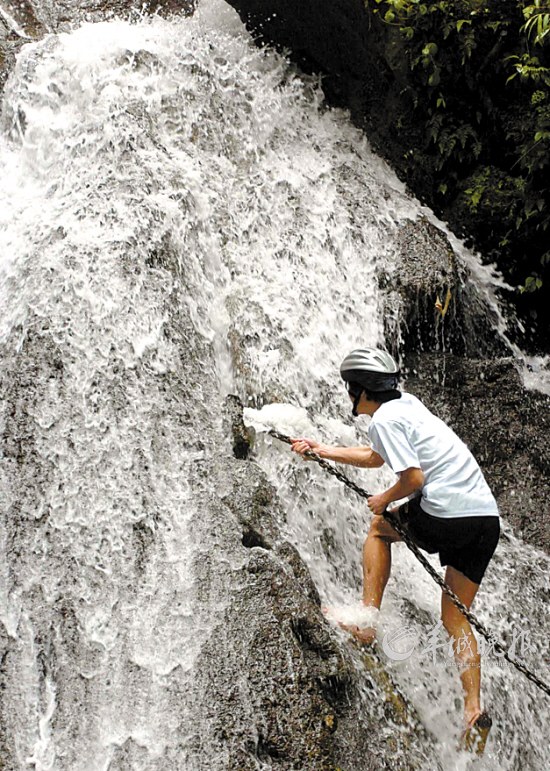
x: 154, y: 615
x: 433, y: 300
x: 177, y: 597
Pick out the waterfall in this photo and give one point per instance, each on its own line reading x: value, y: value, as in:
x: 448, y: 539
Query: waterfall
x: 181, y: 219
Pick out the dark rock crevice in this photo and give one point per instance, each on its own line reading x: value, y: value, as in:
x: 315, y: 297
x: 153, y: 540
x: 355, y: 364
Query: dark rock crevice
x: 242, y: 438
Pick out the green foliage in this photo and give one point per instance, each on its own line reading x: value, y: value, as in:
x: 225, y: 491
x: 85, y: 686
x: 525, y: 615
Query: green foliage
x: 537, y: 25
x: 478, y: 80
x: 532, y: 283
x: 529, y: 68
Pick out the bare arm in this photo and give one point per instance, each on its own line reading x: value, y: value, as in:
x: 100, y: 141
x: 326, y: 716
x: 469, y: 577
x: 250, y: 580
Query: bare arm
x: 364, y: 457
x: 410, y: 480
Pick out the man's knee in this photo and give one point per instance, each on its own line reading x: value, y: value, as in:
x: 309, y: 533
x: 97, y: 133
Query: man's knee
x: 381, y: 528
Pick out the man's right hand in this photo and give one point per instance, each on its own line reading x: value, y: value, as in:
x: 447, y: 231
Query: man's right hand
x: 301, y: 446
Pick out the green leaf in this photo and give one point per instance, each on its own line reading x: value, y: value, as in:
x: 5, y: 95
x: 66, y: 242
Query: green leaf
x: 532, y: 283
x: 475, y: 194
x: 430, y: 49
x: 460, y: 23
x: 389, y: 17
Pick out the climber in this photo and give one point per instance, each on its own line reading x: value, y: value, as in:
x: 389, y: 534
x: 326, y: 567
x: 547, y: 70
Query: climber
x: 449, y: 508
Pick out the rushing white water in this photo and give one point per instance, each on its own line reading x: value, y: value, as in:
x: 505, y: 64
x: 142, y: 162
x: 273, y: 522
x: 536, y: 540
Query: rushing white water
x: 122, y: 141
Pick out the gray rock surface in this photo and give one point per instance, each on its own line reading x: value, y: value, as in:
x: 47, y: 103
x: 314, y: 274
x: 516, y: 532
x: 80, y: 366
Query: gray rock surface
x: 432, y: 302
x: 298, y: 702
x: 271, y: 681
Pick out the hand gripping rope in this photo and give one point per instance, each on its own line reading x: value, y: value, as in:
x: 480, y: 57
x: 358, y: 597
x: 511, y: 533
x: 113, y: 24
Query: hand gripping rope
x: 423, y: 561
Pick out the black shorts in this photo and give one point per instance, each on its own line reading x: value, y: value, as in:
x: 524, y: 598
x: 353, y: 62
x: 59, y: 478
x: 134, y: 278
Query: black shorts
x: 464, y: 543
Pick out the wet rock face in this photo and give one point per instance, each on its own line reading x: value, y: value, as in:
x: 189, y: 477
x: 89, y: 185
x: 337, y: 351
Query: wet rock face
x: 282, y: 690
x: 25, y: 20
x: 272, y: 630
x: 33, y: 15
x: 431, y: 300
x: 505, y: 426
x: 270, y: 682
x: 201, y: 608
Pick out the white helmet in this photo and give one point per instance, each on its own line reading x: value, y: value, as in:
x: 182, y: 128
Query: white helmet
x: 371, y: 368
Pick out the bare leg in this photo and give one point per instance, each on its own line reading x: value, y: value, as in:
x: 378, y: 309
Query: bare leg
x: 465, y: 644
x: 377, y: 560
x: 376, y: 571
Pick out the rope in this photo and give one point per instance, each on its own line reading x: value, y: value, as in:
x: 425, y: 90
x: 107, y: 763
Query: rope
x: 330, y: 469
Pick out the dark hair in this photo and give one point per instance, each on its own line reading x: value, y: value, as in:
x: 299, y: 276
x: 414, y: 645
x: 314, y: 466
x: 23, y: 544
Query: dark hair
x: 375, y: 381
x: 382, y: 396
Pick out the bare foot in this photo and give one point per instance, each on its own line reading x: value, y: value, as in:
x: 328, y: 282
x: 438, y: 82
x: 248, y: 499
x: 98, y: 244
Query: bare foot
x: 366, y: 635
x: 470, y: 717
x: 475, y: 735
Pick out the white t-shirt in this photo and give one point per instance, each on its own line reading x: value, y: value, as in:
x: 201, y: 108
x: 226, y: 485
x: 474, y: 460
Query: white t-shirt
x: 407, y: 435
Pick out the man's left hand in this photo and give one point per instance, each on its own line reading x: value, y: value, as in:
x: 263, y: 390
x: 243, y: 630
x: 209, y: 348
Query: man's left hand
x: 377, y: 503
